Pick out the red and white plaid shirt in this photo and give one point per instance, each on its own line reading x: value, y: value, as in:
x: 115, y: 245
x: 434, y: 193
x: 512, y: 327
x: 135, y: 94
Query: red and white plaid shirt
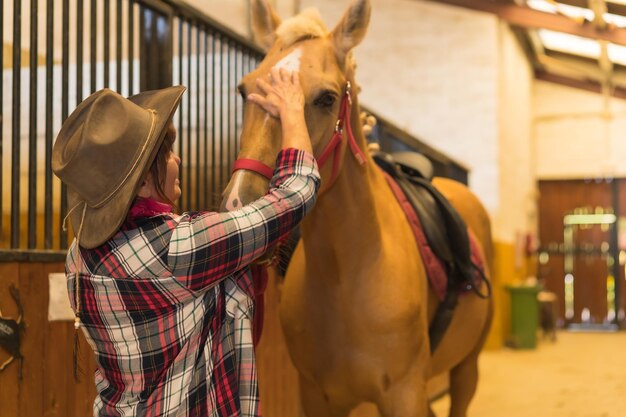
x: 167, y: 303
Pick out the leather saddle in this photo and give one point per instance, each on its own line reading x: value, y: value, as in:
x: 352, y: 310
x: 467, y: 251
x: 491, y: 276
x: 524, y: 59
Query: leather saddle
x: 445, y: 231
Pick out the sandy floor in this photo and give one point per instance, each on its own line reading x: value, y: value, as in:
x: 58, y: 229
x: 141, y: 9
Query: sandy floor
x: 581, y: 375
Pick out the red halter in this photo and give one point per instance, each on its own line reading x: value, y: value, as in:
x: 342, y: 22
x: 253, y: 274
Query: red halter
x: 333, y: 147
x: 254, y: 166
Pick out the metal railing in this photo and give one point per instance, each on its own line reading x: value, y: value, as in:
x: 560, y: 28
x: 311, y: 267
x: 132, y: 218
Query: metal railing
x: 126, y: 45
x: 63, y: 50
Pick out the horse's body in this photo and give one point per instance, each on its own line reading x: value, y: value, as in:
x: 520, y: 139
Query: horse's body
x: 355, y: 303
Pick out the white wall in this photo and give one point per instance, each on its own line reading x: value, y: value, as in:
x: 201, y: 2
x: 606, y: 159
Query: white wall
x: 572, y: 136
x: 436, y: 77
x: 459, y: 81
x: 516, y: 211
x: 455, y: 78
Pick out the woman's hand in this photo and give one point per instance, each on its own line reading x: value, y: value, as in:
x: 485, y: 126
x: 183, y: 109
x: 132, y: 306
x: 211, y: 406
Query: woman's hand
x: 283, y: 97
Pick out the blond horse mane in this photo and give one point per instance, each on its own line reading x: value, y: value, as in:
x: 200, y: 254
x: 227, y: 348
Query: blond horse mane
x: 306, y: 25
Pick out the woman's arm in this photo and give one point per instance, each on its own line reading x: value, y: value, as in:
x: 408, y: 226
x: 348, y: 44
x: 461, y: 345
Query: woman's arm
x: 207, y: 248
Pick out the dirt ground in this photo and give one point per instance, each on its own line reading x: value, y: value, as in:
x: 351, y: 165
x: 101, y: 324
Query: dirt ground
x: 580, y: 375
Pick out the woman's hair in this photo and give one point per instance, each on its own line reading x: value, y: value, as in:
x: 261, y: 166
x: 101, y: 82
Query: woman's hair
x: 158, y: 169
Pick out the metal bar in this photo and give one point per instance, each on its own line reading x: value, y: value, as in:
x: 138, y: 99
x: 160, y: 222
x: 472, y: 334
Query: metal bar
x: 48, y: 135
x: 190, y: 13
x: 198, y: 136
x: 107, y: 42
x: 64, y: 107
x: 229, y: 139
x: 213, y: 129
x: 93, y: 37
x: 15, y: 151
x: 118, y: 46
x: 131, y: 46
x: 221, y: 89
x: 237, y: 99
x: 189, y: 153
x: 79, y: 52
x: 32, y: 130
x: 145, y: 64
x: 206, y: 120
x: 181, y: 131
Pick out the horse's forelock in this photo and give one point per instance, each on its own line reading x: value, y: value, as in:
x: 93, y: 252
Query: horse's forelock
x: 306, y: 25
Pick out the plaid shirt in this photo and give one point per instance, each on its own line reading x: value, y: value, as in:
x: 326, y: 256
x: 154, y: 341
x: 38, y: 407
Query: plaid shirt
x: 167, y: 303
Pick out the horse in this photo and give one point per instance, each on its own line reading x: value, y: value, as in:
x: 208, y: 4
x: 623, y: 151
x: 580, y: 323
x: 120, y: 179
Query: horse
x: 355, y: 304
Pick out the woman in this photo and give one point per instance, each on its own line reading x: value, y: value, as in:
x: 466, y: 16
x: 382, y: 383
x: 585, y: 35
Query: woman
x: 166, y: 300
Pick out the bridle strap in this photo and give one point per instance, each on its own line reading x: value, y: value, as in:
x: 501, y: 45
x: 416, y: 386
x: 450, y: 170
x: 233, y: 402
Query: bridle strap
x: 255, y: 166
x: 334, y: 145
x: 332, y: 148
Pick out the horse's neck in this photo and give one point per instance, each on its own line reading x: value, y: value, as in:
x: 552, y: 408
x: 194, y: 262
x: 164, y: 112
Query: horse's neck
x: 347, y: 217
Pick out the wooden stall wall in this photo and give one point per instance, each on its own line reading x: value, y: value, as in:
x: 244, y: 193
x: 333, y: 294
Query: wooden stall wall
x: 47, y: 387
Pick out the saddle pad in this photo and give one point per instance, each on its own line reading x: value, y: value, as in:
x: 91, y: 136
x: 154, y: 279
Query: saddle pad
x: 435, y: 269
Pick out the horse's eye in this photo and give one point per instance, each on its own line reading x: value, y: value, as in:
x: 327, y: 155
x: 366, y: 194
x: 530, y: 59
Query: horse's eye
x: 325, y: 100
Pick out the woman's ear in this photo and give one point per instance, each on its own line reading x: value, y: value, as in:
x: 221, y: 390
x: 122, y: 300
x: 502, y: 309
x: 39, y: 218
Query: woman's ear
x: 147, y: 188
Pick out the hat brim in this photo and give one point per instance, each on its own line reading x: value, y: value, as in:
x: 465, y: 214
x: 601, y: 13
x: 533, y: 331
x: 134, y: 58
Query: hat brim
x: 99, y: 224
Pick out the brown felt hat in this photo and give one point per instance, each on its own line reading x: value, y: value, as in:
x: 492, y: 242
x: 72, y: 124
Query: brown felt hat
x: 102, y: 153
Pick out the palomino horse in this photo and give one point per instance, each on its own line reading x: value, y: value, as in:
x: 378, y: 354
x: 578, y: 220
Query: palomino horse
x: 355, y: 304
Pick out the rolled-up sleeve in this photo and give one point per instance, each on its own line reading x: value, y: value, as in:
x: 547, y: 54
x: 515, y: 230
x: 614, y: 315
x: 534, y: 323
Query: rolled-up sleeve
x: 206, y: 247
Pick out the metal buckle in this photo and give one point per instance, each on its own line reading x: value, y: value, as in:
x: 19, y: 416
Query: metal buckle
x: 339, y: 126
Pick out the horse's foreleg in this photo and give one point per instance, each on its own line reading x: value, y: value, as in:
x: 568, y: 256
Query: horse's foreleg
x: 405, y: 400
x: 317, y: 404
x: 407, y: 397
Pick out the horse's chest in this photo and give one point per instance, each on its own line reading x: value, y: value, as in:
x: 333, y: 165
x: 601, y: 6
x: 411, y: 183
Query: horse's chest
x: 334, y: 308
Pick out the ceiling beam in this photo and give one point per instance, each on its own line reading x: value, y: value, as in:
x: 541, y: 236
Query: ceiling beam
x: 618, y: 92
x: 526, y: 17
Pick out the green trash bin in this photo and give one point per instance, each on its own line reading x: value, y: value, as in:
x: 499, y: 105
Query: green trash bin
x: 524, y: 316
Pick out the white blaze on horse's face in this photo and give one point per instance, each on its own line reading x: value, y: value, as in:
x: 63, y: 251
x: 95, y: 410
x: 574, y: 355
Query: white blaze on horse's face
x: 233, y: 200
x: 291, y: 62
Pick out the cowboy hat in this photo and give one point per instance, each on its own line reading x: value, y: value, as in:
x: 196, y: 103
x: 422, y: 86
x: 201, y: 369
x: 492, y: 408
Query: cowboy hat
x: 103, y: 152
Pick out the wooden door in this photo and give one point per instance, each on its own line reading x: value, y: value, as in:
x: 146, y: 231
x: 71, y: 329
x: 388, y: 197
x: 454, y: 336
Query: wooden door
x: 579, y: 270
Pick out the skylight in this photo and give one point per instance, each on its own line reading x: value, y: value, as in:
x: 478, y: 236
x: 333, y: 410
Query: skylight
x: 577, y: 13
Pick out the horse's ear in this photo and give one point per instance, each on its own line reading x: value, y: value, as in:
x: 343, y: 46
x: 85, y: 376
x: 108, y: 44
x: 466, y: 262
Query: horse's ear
x: 352, y: 28
x: 264, y: 23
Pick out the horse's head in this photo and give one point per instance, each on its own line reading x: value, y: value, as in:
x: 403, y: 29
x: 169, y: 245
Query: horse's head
x: 325, y: 64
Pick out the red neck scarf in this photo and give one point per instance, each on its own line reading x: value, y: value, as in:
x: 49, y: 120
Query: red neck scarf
x: 147, y: 207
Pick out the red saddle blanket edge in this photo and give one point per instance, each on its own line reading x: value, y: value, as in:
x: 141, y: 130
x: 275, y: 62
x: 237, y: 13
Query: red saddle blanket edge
x: 435, y: 270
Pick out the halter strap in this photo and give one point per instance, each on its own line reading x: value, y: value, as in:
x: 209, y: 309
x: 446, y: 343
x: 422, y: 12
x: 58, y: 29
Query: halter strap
x: 254, y: 166
x: 334, y: 145
x: 332, y: 148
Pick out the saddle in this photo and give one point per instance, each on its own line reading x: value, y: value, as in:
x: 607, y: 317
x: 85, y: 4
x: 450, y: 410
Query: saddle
x: 445, y: 231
